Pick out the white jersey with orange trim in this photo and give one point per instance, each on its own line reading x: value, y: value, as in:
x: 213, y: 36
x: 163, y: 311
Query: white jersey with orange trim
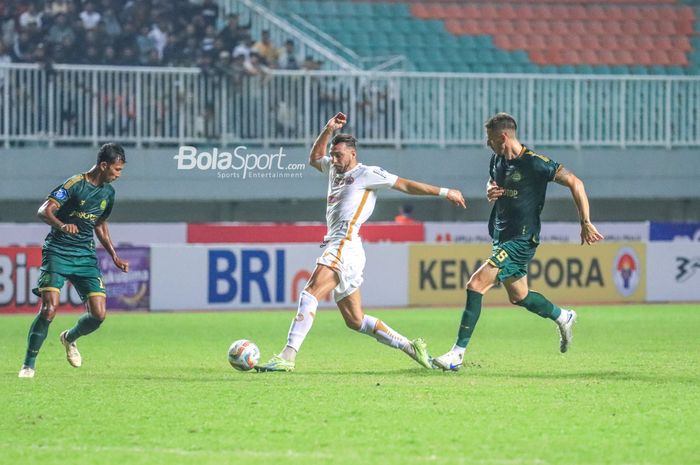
x: 351, y: 197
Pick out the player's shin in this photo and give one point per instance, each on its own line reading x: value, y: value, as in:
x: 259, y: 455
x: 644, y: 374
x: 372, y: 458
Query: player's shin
x: 301, y: 325
x: 537, y: 303
x: 379, y: 330
x: 37, y: 334
x: 85, y: 325
x: 470, y: 316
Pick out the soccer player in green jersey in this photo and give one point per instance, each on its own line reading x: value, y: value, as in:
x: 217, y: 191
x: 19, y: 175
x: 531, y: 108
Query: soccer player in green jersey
x: 74, y: 210
x: 518, y: 184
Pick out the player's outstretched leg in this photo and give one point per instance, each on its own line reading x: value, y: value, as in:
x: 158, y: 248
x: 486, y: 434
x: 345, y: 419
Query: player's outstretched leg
x: 300, y: 327
x: 38, y: 332
x: 452, y: 360
x: 417, y: 349
x: 565, y: 319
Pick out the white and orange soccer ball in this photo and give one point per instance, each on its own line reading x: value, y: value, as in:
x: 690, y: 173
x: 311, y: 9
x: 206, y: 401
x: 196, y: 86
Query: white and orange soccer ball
x: 243, y: 355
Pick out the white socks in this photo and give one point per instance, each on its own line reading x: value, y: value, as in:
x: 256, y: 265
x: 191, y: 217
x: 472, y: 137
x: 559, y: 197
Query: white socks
x: 563, y: 317
x: 458, y: 350
x: 377, y: 329
x: 301, y: 325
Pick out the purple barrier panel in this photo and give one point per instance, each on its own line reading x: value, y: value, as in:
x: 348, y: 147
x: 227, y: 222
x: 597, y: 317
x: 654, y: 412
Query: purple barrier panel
x: 132, y: 290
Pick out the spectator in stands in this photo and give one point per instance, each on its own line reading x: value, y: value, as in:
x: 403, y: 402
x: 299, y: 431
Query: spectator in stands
x: 288, y: 58
x: 404, y: 216
x: 244, y: 48
x: 233, y: 33
x: 210, y: 12
x: 266, y: 49
x: 109, y: 56
x: 144, y: 44
x: 128, y: 57
x: 208, y: 39
x: 5, y: 56
x: 90, y: 17
x: 60, y: 31
x: 23, y: 48
x: 30, y: 19
x: 159, y: 34
x: 112, y: 26
x: 57, y: 7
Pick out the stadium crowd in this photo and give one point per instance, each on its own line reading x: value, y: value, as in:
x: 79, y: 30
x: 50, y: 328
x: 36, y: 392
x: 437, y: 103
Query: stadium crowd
x: 139, y: 33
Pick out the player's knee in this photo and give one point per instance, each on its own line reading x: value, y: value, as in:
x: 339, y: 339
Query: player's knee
x: 47, y: 310
x: 353, y: 323
x: 475, y: 284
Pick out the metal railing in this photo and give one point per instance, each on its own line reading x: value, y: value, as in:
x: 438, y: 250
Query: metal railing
x: 83, y: 104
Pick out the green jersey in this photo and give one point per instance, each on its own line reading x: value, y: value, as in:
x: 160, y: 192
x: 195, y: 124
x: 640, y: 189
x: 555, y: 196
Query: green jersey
x: 525, y: 178
x: 83, y: 204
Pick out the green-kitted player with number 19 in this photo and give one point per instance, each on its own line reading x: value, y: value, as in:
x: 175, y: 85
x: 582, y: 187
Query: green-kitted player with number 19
x: 518, y: 184
x: 75, y: 210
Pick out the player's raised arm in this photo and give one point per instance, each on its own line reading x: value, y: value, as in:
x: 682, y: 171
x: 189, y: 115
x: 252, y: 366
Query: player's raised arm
x: 409, y: 186
x: 589, y: 233
x: 318, y: 151
x: 102, y: 233
x: 47, y: 214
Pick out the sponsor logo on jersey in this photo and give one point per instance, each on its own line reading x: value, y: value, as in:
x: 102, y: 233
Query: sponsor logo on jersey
x: 84, y: 215
x: 516, y: 176
x: 626, y: 271
x: 380, y: 172
x: 332, y: 199
x: 60, y: 194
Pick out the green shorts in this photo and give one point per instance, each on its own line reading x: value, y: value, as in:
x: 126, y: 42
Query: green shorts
x: 82, y: 272
x: 512, y: 257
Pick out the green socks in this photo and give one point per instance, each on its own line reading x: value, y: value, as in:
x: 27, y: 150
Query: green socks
x: 537, y: 303
x: 85, y: 325
x: 469, y: 318
x: 37, y: 334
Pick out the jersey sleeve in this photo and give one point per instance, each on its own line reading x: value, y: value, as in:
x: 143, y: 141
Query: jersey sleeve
x: 378, y: 178
x: 548, y: 168
x: 64, y: 192
x: 492, y: 168
x: 108, y: 208
x: 325, y: 164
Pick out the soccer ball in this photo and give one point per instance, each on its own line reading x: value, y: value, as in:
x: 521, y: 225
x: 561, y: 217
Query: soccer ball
x: 243, y: 355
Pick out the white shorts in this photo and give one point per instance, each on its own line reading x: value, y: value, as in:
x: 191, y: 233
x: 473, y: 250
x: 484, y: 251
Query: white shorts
x: 347, y: 259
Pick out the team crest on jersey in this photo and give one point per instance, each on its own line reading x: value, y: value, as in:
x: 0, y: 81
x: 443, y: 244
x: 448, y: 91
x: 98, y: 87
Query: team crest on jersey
x: 60, y: 193
x: 103, y: 204
x: 516, y: 176
x: 343, y: 180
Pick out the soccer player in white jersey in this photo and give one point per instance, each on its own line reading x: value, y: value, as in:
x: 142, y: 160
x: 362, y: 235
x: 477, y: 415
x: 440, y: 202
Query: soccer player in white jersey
x: 352, y: 193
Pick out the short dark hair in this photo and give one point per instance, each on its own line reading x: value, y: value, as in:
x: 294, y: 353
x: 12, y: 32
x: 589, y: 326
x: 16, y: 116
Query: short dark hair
x: 501, y: 121
x: 346, y: 139
x: 111, y: 153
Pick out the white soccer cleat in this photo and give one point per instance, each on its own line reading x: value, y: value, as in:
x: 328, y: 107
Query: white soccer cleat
x: 566, y: 333
x: 72, y: 353
x: 450, y: 361
x: 26, y: 372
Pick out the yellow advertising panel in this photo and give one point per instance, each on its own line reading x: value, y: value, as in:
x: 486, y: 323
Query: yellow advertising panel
x: 564, y: 273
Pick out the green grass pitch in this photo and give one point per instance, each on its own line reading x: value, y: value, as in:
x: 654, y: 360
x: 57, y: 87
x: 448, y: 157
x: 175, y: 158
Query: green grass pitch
x: 157, y: 389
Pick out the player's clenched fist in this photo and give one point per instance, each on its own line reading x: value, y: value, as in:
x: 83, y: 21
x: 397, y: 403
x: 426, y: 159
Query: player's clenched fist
x: 337, y: 122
